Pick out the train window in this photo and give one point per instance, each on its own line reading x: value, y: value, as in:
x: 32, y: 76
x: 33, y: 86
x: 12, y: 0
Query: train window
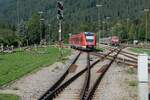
x: 89, y: 38
x: 89, y: 34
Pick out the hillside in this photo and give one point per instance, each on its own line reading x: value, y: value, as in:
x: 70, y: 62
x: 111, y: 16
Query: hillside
x: 79, y: 15
x: 75, y: 10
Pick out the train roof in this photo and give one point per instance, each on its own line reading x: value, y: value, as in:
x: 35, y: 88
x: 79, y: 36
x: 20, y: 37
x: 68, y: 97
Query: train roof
x: 88, y: 33
x: 82, y: 33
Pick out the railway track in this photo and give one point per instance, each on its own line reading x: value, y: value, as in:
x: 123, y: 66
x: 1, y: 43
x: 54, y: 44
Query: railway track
x: 123, y: 52
x: 127, y: 58
x: 118, y: 59
x: 79, y: 86
x: 87, y: 79
x: 103, y: 70
x: 60, y: 79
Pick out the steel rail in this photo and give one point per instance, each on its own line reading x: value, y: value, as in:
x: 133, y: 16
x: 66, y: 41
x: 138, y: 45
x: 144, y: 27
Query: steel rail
x: 129, y: 56
x: 132, y: 54
x: 87, y: 80
x: 136, y: 55
x: 55, y: 92
x: 97, y: 82
x: 59, y: 81
x: 118, y: 58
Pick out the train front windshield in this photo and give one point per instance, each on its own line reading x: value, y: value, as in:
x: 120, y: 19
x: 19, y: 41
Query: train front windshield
x: 89, y: 37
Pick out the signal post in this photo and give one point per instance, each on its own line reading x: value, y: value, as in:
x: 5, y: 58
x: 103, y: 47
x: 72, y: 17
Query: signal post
x: 60, y: 9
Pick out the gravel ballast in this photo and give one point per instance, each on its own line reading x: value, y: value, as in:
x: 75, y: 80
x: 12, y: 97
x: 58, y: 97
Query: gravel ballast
x: 116, y: 85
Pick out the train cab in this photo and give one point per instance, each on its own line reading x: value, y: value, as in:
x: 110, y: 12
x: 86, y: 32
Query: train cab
x: 90, y: 39
x: 83, y: 40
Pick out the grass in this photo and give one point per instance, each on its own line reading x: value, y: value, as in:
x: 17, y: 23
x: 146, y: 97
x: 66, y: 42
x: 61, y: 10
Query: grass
x: 100, y: 49
x: 15, y: 65
x: 9, y: 97
x: 130, y: 71
x: 140, y: 50
x: 133, y: 83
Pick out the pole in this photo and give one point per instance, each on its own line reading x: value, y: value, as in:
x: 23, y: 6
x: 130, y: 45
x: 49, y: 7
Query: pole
x: 18, y: 16
x: 98, y: 29
x: 146, y: 24
x: 40, y: 29
x: 127, y: 26
x: 60, y: 39
x: 146, y: 27
x: 40, y: 12
x: 40, y: 32
x: 60, y: 8
x: 59, y: 30
x: 98, y: 7
x: 103, y: 23
x: 127, y: 21
x: 108, y: 25
x: 49, y: 39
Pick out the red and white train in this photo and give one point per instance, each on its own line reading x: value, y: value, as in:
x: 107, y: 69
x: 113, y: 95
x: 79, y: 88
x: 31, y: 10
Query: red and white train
x: 114, y: 40
x: 83, y: 40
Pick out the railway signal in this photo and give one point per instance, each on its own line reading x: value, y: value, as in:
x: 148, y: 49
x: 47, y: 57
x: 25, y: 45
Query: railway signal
x: 60, y: 8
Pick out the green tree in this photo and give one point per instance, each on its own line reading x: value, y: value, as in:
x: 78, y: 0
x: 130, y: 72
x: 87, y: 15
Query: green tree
x: 8, y: 37
x: 34, y: 30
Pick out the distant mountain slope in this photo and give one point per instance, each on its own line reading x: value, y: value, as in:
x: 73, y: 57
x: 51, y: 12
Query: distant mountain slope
x: 76, y: 11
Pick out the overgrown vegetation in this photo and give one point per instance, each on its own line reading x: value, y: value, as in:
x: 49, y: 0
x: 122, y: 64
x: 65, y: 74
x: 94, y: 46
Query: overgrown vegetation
x: 9, y: 97
x: 130, y: 71
x: 133, y: 83
x: 15, y: 65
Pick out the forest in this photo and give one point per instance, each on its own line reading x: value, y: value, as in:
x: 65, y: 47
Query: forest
x: 20, y: 20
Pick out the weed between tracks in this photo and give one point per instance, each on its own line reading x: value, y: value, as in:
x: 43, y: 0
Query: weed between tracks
x: 130, y: 71
x: 132, y: 83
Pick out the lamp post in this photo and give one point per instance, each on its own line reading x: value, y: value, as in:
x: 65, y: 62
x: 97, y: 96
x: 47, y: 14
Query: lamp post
x: 103, y: 23
x: 18, y: 15
x: 146, y: 24
x: 41, y: 28
x: 128, y: 24
x: 40, y: 12
x: 108, y: 24
x: 26, y: 36
x: 49, y: 29
x: 128, y: 28
x: 98, y: 7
